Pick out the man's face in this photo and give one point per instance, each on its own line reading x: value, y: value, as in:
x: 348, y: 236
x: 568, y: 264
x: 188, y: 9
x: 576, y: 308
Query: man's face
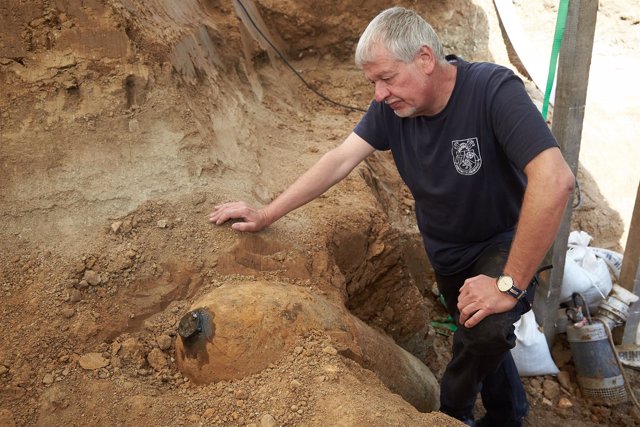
x: 402, y: 86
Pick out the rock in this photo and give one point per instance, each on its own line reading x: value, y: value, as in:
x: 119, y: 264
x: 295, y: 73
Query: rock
x: 132, y: 350
x: 565, y: 380
x: 67, y: 313
x: 198, y: 199
x: 47, y: 379
x: 115, y: 227
x: 163, y: 223
x: 601, y: 411
x: 115, y: 347
x: 3, y: 370
x: 550, y: 389
x: 267, y: 420
x: 93, y: 361
x: 164, y: 342
x: 241, y: 394
x: 208, y: 413
x: 76, y: 296
x: 157, y: 359
x: 116, y: 362
x: 535, y: 383
x: 119, y: 263
x: 564, y: 403
x: 79, y: 266
x: 91, y: 277
x: 127, y: 225
x: 330, y: 350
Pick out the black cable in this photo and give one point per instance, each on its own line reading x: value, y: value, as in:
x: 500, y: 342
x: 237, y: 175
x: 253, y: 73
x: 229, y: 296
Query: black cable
x: 584, y: 305
x: 578, y: 190
x: 291, y: 67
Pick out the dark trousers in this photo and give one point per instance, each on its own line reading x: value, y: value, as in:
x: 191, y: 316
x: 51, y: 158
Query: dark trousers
x: 481, y: 361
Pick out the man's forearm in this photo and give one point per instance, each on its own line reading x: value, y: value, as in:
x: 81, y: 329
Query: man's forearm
x: 314, y: 182
x: 550, y: 184
x: 332, y: 167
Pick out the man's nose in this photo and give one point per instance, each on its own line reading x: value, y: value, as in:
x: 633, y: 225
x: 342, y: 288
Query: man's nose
x: 381, y: 91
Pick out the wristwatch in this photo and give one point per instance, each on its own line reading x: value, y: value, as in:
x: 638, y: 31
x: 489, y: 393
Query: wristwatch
x: 506, y: 284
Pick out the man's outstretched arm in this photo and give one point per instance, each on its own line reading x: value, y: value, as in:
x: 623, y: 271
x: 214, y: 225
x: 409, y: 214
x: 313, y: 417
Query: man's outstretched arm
x: 332, y: 167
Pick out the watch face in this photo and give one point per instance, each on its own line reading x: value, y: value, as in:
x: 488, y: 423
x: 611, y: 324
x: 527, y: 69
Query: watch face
x: 505, y: 283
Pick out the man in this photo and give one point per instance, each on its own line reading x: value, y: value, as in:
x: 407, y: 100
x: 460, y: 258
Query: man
x: 479, y: 161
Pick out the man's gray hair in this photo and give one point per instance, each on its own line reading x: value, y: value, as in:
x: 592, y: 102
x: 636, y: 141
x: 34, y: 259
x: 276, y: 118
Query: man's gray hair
x: 402, y: 32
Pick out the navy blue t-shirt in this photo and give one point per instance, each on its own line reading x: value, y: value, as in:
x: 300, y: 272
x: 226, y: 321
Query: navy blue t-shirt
x: 464, y: 165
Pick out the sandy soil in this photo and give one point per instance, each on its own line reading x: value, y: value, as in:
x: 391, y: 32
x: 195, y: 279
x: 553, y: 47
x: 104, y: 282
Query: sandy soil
x: 123, y: 123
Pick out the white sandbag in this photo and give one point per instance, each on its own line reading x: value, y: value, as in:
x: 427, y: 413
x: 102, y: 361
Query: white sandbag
x: 592, y: 282
x: 611, y: 258
x: 531, y: 353
x: 584, y: 271
x: 579, y: 238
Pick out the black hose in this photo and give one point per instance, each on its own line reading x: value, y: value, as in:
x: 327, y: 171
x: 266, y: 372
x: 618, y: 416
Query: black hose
x: 578, y: 190
x: 291, y: 66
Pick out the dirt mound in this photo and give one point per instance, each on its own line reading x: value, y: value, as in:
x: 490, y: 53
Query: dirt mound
x: 122, y: 124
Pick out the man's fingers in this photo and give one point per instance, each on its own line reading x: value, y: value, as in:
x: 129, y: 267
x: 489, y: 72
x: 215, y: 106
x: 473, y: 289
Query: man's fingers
x: 226, y: 211
x: 220, y: 217
x: 244, y: 226
x: 466, y: 312
x: 472, y: 313
x: 474, y: 319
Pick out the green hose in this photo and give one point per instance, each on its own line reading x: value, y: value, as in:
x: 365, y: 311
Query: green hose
x: 557, y: 41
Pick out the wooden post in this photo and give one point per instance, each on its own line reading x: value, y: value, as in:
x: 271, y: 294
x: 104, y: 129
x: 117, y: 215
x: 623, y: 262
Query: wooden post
x: 630, y: 273
x: 568, y: 114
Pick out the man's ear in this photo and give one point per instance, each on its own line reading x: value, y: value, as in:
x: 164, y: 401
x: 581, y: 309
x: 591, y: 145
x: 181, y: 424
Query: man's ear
x: 426, y: 59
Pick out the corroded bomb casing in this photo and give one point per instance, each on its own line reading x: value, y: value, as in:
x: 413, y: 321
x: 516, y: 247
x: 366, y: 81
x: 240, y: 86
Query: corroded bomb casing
x: 240, y: 329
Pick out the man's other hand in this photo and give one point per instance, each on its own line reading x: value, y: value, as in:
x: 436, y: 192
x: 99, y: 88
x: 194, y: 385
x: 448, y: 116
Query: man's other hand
x: 480, y: 297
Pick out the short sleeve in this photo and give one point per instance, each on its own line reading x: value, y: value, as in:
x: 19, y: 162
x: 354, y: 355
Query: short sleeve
x: 519, y: 126
x: 373, y: 127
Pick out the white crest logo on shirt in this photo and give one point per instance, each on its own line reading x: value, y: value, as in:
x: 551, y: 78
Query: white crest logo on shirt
x: 466, y: 156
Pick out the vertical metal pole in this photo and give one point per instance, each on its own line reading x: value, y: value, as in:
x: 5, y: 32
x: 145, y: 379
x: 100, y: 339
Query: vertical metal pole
x: 630, y: 270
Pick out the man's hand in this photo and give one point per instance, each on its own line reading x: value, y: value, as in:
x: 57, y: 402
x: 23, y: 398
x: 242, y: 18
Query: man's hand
x: 253, y: 219
x: 480, y: 297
